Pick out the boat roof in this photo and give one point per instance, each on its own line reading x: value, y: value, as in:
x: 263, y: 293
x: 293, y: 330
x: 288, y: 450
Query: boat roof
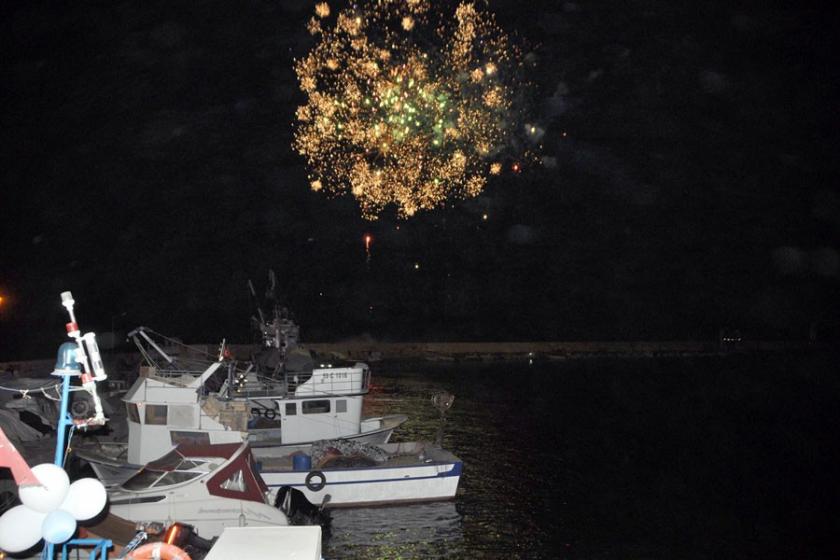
x: 237, y: 462
x: 171, y: 460
x: 223, y: 450
x: 241, y: 461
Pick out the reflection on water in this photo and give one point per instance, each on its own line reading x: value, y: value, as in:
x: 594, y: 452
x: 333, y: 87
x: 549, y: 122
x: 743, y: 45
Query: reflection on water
x: 642, y: 458
x: 432, y: 530
x: 505, y: 462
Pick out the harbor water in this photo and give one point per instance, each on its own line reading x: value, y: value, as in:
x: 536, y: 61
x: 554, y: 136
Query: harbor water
x: 706, y: 457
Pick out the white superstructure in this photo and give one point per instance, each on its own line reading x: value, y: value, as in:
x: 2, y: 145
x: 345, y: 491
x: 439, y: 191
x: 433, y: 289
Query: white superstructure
x: 165, y: 409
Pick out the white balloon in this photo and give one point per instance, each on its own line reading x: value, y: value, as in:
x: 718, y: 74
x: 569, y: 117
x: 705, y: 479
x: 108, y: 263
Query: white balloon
x: 20, y: 528
x: 54, y: 485
x: 58, y: 527
x: 85, y: 499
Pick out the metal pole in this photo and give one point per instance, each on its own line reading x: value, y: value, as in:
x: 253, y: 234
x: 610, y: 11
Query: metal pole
x: 61, y: 435
x: 63, y: 421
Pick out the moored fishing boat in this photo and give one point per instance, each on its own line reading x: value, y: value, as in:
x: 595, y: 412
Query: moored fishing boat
x: 223, y: 405
x: 349, y: 474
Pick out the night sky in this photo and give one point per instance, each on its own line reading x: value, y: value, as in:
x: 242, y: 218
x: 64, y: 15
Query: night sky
x: 689, y: 181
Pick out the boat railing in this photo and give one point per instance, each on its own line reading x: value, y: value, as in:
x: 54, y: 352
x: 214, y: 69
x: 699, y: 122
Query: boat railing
x: 172, y: 373
x: 263, y: 387
x: 233, y: 383
x: 353, y: 379
x: 334, y: 381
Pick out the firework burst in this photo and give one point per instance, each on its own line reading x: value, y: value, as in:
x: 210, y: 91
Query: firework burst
x: 406, y: 105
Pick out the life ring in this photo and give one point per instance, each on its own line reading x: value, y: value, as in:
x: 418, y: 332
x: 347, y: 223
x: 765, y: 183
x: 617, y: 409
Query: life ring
x: 158, y: 551
x: 316, y: 486
x: 267, y: 413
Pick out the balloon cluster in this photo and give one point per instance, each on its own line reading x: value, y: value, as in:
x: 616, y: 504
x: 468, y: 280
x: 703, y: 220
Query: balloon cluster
x: 408, y: 103
x: 50, y: 511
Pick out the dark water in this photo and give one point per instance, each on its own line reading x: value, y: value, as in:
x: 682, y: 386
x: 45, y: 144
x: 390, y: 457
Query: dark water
x: 724, y: 457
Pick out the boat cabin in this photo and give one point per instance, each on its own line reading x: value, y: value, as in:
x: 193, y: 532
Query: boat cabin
x: 165, y: 409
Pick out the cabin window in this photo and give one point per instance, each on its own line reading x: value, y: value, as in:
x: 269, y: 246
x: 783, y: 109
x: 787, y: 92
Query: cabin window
x: 181, y: 416
x: 316, y: 407
x: 341, y: 405
x: 291, y: 409
x: 236, y: 482
x: 189, y: 438
x: 149, y: 478
x: 156, y: 414
x: 142, y: 480
x: 133, y: 413
x: 168, y: 462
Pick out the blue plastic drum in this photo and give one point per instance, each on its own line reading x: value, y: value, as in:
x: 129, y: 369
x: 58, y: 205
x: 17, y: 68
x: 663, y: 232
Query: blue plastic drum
x: 301, y: 462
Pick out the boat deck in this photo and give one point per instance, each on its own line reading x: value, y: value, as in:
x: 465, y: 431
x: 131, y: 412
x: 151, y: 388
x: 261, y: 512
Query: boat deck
x: 393, y: 455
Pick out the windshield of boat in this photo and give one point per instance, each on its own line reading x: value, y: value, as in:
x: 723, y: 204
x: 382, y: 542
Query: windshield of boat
x: 168, y: 462
x: 172, y: 468
x: 155, y: 479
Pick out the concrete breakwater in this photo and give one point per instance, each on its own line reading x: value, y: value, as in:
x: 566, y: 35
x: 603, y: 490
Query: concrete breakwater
x: 457, y: 351
x: 448, y: 351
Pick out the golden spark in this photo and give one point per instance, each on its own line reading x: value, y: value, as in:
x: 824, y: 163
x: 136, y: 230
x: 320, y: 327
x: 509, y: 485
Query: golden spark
x: 408, y: 119
x: 322, y: 9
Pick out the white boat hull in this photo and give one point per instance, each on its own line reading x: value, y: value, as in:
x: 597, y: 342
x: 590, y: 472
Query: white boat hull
x: 208, y: 515
x: 108, y: 460
x: 374, y: 485
x: 432, y: 474
x: 208, y: 487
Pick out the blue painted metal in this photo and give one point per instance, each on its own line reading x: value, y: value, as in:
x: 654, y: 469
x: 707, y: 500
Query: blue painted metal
x: 66, y: 362
x: 100, y: 546
x: 457, y: 470
x: 64, y: 420
x: 66, y: 366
